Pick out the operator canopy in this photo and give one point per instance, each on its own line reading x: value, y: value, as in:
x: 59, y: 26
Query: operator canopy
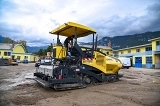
x: 71, y: 28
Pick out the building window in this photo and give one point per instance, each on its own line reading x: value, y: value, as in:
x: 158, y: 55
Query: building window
x: 18, y: 57
x: 7, y: 53
x: 137, y: 50
x: 158, y: 43
x: 148, y: 48
x: 148, y: 59
x: 129, y: 51
x: 25, y: 57
x: 121, y: 52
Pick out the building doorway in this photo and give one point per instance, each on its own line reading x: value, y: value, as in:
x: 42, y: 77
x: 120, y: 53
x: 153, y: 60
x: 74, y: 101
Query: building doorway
x: 157, y: 61
x: 138, y: 62
x: 149, y: 62
x: 34, y: 59
x: 13, y: 57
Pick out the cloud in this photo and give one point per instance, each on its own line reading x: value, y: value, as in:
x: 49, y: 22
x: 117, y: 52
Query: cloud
x: 117, y: 25
x: 32, y: 20
x: 7, y: 28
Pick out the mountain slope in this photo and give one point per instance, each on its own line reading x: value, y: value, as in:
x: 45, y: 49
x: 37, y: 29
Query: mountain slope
x: 119, y: 42
x: 1, y: 38
x: 35, y: 49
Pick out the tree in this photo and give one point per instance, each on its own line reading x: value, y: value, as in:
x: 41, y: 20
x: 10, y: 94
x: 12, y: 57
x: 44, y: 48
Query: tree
x: 49, y: 48
x: 7, y: 40
x: 43, y: 52
x: 40, y: 52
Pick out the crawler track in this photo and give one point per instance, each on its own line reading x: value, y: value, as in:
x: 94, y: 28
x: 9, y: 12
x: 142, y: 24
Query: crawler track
x: 62, y: 87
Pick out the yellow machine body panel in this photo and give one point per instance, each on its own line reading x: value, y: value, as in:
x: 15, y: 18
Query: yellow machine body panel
x: 106, y: 64
x: 112, y: 64
x: 59, y: 52
x: 69, y: 29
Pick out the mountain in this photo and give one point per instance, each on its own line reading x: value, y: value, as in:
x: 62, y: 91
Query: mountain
x: 35, y: 49
x: 119, y: 42
x: 1, y: 38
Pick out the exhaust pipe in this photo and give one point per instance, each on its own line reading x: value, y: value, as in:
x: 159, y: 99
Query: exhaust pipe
x: 96, y: 42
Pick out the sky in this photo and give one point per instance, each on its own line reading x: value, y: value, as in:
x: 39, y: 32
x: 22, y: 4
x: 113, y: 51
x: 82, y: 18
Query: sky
x: 32, y: 20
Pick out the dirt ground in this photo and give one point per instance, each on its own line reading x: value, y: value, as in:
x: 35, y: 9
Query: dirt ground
x: 137, y: 87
